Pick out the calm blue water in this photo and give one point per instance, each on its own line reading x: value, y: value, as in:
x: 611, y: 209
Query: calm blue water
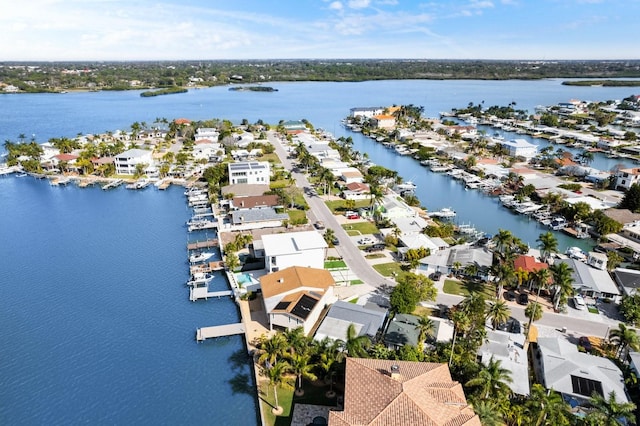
x: 96, y: 325
x: 95, y: 322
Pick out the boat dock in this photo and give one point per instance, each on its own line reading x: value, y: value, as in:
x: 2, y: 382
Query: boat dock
x: 207, y: 267
x: 197, y: 245
x: 163, y: 184
x: 196, y: 293
x: 113, y: 184
x: 203, y: 225
x: 219, y: 331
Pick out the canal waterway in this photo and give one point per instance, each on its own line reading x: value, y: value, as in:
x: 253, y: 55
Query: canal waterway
x: 96, y: 325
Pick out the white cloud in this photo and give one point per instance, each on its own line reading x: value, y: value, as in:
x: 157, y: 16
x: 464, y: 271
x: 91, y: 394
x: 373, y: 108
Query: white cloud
x: 359, y: 4
x: 336, y: 5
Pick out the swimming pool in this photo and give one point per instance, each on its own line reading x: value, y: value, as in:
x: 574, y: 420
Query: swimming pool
x: 245, y: 278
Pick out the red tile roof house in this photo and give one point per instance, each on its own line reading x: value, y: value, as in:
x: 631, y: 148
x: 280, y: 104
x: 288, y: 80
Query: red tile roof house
x: 387, y: 392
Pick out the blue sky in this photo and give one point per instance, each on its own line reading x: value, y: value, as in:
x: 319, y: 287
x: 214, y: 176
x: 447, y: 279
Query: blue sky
x: 286, y: 29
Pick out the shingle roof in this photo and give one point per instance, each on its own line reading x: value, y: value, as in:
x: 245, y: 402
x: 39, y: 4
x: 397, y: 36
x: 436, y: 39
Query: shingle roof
x: 421, y: 394
x: 294, y: 277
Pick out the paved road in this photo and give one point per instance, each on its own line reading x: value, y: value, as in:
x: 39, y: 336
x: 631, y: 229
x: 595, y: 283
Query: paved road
x: 362, y: 269
x: 319, y: 211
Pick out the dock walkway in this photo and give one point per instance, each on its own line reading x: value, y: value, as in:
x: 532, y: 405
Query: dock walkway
x: 196, y: 293
x: 207, y: 267
x: 219, y: 331
x: 197, y: 245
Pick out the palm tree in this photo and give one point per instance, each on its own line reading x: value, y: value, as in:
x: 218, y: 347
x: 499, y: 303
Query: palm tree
x: 488, y: 412
x: 498, y: 312
x: 548, y: 244
x: 563, y: 284
x: 425, y: 329
x: 275, y: 374
x: 296, y: 340
x: 271, y: 349
x: 609, y: 412
x: 354, y: 345
x: 547, y: 407
x: 625, y: 338
x: 492, y: 380
x: 300, y: 365
x: 503, y: 241
x: 329, y: 236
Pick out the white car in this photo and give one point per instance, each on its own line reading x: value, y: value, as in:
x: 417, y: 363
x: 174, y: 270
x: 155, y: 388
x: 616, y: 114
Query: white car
x: 578, y: 301
x: 366, y: 240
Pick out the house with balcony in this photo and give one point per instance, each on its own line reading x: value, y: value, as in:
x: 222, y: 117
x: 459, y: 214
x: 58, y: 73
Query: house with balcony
x: 296, y: 296
x: 520, y: 148
x: 126, y: 162
x: 627, y: 177
x: 384, y: 121
x: 249, y: 172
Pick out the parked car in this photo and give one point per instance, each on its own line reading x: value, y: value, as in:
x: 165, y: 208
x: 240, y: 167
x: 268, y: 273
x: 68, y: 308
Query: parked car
x: 578, y: 302
x: 319, y: 225
x: 351, y: 215
x: 335, y: 241
x: 375, y: 247
x: 435, y: 276
x: 585, y: 343
x: 523, y: 298
x: 366, y: 240
x: 515, y: 326
x: 509, y: 296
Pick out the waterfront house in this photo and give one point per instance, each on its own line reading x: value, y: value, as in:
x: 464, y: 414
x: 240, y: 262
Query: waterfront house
x: 528, y: 264
x: 390, y: 207
x: 627, y: 177
x: 444, y: 260
x: 388, y: 392
x: 520, y: 148
x: 508, y: 348
x: 576, y: 375
x: 351, y: 175
x: 249, y: 172
x: 127, y: 161
x: 243, y: 190
x: 356, y: 191
x: 367, y: 321
x: 296, y: 296
x: 628, y: 280
x: 384, y: 121
x: 307, y: 248
x: 257, y: 218
x: 254, y: 202
x: 366, y: 112
x: 591, y: 282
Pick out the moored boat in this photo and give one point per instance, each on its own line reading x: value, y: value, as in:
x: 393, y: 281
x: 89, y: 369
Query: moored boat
x: 200, y: 257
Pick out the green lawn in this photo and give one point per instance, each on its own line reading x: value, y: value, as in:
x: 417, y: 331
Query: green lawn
x: 374, y: 256
x: 272, y: 158
x: 388, y: 269
x: 463, y: 288
x: 297, y: 216
x: 335, y: 264
x: 361, y: 228
x: 339, y: 206
x: 285, y: 399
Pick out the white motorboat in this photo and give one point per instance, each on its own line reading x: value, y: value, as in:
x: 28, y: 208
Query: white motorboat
x: 200, y: 257
x: 576, y: 253
x: 445, y: 213
x: 199, y: 278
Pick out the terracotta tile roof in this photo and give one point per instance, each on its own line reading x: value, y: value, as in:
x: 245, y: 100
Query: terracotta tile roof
x: 357, y: 186
x: 421, y: 394
x: 528, y: 263
x: 66, y: 157
x: 182, y: 121
x: 384, y: 117
x: 293, y: 302
x: 295, y: 277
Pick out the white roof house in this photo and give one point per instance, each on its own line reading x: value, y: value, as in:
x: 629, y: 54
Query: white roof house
x: 520, y: 148
x: 576, y: 375
x: 306, y: 248
x: 392, y: 208
x: 127, y: 161
x: 508, y: 348
x: 250, y: 172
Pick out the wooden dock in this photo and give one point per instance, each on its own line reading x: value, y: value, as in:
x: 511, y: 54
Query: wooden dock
x: 164, y: 184
x: 197, y: 245
x: 219, y: 331
x: 197, y: 293
x: 206, y: 267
